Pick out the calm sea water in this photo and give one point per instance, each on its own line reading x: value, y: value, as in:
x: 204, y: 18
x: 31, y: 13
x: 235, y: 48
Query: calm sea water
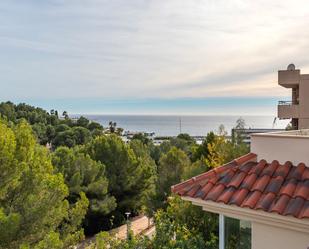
x: 193, y: 125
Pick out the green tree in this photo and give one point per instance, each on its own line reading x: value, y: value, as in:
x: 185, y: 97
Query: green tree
x: 142, y: 137
x: 181, y: 226
x: 202, y: 150
x: 184, y: 142
x: 81, y: 135
x: 171, y: 168
x: 82, y: 174
x: 64, y: 138
x: 32, y: 196
x: 112, y: 126
x: 83, y: 122
x: 65, y: 114
x: 95, y: 126
x: 130, y: 176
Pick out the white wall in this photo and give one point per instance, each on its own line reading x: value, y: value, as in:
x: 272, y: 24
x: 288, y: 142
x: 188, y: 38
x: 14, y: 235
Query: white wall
x: 281, y: 148
x: 269, y: 237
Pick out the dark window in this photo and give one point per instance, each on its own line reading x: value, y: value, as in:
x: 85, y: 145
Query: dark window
x: 237, y: 233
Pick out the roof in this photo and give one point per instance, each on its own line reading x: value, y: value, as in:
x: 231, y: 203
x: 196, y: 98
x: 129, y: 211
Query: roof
x: 246, y: 183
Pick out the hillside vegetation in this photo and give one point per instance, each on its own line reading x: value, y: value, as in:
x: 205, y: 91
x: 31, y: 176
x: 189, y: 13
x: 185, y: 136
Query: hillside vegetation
x: 62, y: 179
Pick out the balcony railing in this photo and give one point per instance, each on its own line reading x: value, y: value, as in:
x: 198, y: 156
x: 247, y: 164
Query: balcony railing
x: 285, y: 102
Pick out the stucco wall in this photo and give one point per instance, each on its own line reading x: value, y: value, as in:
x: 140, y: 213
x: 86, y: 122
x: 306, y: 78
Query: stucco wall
x: 303, y: 98
x: 269, y: 237
x: 282, y: 149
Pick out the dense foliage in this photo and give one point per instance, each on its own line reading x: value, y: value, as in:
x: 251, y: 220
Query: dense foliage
x: 89, y: 179
x: 81, y: 173
x: 49, y: 127
x: 33, y: 208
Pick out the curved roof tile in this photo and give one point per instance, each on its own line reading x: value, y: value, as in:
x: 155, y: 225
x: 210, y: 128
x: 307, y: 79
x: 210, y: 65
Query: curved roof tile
x: 271, y: 187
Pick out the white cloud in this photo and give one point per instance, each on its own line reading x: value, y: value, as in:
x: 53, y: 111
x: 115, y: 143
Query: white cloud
x: 136, y: 48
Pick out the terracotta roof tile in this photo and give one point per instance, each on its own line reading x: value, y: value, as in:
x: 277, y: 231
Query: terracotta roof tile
x: 296, y: 172
x: 305, y: 211
x: 302, y: 190
x: 247, y: 167
x: 274, y: 185
x: 215, y: 192
x: 205, y: 190
x: 283, y: 170
x: 226, y: 195
x: 227, y: 177
x: 261, y: 183
x: 239, y: 196
x: 248, y: 181
x: 252, y: 199
x: 280, y: 205
x: 289, y: 187
x: 305, y: 174
x: 265, y: 201
x: 193, y: 190
x: 237, y: 180
x: 270, y: 168
x: 294, y: 207
x: 245, y: 158
x: 271, y: 187
x: 258, y: 168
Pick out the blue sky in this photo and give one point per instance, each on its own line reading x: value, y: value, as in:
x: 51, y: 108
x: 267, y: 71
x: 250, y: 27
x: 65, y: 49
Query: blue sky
x: 150, y: 57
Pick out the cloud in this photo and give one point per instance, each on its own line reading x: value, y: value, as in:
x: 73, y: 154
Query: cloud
x: 149, y: 49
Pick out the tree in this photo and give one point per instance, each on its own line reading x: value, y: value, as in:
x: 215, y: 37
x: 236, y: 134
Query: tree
x: 170, y: 171
x: 129, y: 175
x: 181, y: 226
x: 202, y: 150
x: 50, y: 133
x: 47, y: 126
x: 184, y: 142
x: 95, y: 126
x: 238, y: 131
x: 40, y: 130
x: 142, y: 154
x: 240, y: 123
x: 112, y: 126
x: 64, y: 138
x: 222, y: 150
x: 81, y: 134
x: 198, y: 167
x: 65, y: 114
x: 82, y: 174
x: 83, y: 122
x: 142, y: 137
x: 62, y: 127
x: 33, y: 208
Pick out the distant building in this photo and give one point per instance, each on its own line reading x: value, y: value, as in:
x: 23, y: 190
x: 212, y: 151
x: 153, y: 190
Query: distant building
x: 298, y: 108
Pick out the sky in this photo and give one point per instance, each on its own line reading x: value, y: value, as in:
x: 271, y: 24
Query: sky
x: 151, y: 57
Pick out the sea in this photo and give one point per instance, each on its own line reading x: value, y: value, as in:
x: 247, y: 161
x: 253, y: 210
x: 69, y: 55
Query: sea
x: 172, y: 125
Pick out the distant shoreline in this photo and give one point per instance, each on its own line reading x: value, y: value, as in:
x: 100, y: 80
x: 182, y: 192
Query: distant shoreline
x: 172, y: 125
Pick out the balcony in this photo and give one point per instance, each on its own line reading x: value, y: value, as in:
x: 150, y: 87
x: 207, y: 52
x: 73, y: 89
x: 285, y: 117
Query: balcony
x: 289, y: 78
x: 286, y: 110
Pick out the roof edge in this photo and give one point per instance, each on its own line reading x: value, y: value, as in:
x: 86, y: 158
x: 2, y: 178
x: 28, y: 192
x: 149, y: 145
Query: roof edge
x: 258, y: 216
x: 250, y: 157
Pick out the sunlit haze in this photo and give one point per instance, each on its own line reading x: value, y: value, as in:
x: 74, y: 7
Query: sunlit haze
x: 151, y: 57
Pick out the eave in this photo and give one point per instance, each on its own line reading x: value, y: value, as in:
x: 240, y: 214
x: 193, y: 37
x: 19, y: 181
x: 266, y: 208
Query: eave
x: 258, y: 216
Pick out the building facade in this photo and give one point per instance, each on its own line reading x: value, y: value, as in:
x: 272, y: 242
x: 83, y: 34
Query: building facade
x: 297, y: 108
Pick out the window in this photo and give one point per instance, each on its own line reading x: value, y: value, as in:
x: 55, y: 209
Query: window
x: 234, y: 233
